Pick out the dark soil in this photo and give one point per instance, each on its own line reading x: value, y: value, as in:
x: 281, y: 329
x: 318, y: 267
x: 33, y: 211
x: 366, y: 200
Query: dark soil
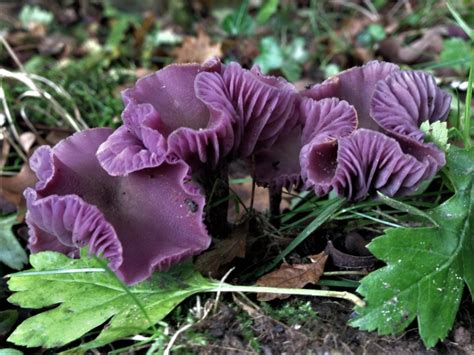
x: 326, y: 334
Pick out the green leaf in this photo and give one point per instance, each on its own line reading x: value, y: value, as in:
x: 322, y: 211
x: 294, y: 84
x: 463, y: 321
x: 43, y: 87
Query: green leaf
x: 9, y: 351
x: 288, y: 59
x: 377, y: 32
x: 271, y: 55
x: 456, y: 50
x: 88, y: 296
x: 436, y: 132
x: 405, y: 207
x: 34, y: 14
x: 296, y: 50
x: 324, y: 215
x: 426, y: 267
x: 267, y: 10
x: 11, y: 252
x: 371, y: 34
x: 239, y: 22
x: 466, y: 28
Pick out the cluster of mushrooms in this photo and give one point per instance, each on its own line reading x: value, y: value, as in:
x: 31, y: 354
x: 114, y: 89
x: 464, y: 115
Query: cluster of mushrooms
x: 136, y: 195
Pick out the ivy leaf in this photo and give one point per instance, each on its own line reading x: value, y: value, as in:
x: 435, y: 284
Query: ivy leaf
x: 88, y: 296
x: 426, y: 267
x: 11, y: 252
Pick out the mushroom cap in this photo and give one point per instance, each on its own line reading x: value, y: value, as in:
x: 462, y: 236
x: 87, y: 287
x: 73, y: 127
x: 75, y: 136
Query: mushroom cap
x: 324, y: 120
x: 165, y: 116
x: 387, y: 151
x: 366, y: 161
x: 356, y: 86
x: 145, y: 221
x: 262, y: 106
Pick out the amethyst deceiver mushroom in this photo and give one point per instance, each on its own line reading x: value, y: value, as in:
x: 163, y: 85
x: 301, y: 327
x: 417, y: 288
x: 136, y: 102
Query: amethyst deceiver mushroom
x: 164, y: 116
x: 207, y: 115
x: 203, y: 114
x: 263, y: 107
x: 386, y: 152
x: 320, y: 120
x: 145, y: 221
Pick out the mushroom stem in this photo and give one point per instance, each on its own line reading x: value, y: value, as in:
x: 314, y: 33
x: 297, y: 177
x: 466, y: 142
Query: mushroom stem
x: 215, y: 182
x: 275, y: 201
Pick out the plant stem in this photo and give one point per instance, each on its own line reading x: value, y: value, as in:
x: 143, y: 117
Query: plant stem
x: 215, y: 182
x: 275, y: 201
x: 291, y: 291
x: 467, y: 112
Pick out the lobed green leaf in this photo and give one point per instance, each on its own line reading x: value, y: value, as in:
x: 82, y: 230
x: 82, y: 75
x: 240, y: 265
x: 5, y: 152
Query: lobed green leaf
x: 426, y: 267
x: 86, y: 300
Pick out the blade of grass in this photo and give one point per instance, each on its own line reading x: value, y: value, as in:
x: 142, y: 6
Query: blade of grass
x: 127, y: 291
x: 405, y: 207
x: 378, y: 220
x: 324, y: 216
x: 466, y: 28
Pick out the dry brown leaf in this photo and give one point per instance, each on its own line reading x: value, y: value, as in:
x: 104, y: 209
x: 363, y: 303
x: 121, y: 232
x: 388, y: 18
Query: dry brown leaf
x: 56, y: 136
x: 352, y: 26
x: 420, y: 50
x: 145, y: 27
x: 292, y: 276
x: 226, y: 250
x: 197, y: 49
x: 11, y: 188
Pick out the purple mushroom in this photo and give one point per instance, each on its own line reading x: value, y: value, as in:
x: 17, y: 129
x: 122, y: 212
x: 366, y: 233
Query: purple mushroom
x: 319, y: 120
x: 201, y: 114
x: 145, y: 221
x: 164, y: 116
x: 262, y: 107
x: 206, y: 115
x: 386, y: 152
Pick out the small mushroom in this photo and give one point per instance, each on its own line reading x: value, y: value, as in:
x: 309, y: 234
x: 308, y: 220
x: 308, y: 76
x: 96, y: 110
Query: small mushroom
x: 386, y: 152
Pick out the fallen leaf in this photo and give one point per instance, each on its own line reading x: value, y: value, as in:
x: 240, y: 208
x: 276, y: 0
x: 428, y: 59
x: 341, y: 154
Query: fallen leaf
x: 145, y: 28
x: 292, y: 276
x: 54, y: 137
x: 348, y: 261
x: 226, y: 250
x: 197, y: 49
x: 422, y: 49
x: 57, y: 44
x: 352, y: 26
x: 11, y: 188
